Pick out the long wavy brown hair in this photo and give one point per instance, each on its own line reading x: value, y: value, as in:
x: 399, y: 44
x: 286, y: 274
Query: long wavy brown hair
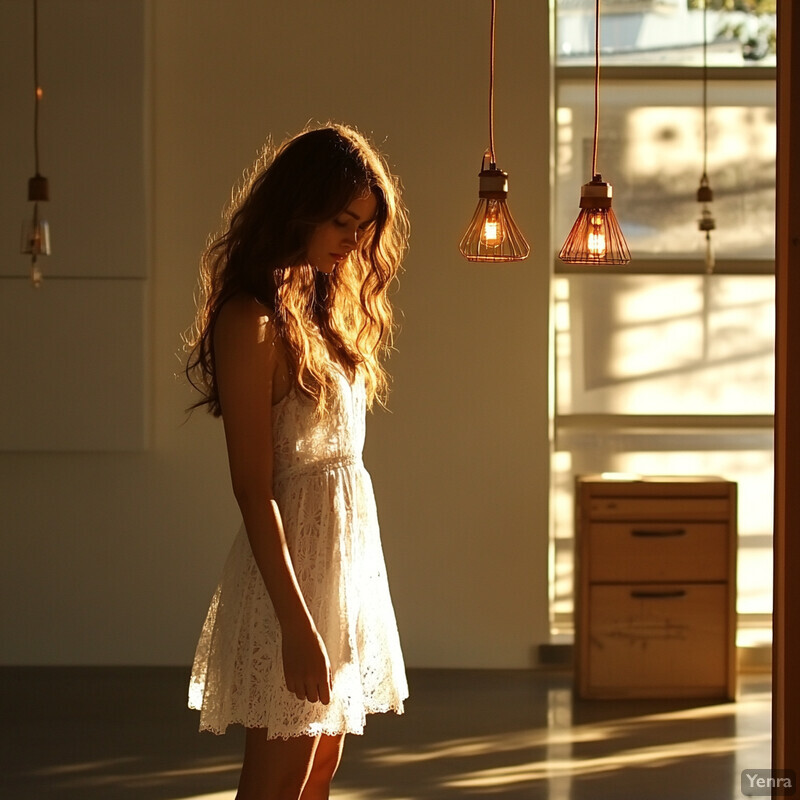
x: 343, y: 320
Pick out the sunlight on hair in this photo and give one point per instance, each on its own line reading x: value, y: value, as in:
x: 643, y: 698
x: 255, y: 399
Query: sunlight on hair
x: 349, y: 306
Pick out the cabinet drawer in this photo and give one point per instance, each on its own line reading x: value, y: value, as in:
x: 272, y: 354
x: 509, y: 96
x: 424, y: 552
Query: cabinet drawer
x: 658, y: 551
x: 658, y: 641
x: 659, y: 508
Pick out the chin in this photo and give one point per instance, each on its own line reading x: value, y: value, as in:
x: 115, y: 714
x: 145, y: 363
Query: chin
x: 328, y: 266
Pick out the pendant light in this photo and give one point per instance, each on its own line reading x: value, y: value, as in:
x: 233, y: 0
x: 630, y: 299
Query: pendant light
x: 706, y: 223
x: 596, y: 237
x: 492, y: 234
x: 35, y: 230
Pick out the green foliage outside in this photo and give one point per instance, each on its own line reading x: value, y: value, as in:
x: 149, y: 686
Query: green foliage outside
x: 764, y: 40
x: 748, y: 6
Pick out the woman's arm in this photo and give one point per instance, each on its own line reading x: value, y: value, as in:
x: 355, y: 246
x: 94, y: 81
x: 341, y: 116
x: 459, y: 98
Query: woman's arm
x: 246, y: 355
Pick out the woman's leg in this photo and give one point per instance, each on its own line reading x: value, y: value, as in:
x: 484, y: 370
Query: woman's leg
x: 326, y: 761
x: 275, y: 769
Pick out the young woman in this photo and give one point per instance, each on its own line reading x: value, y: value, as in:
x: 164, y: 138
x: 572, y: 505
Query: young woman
x: 300, y: 641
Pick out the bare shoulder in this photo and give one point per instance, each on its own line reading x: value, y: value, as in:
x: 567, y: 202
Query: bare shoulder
x: 244, y: 320
x: 247, y: 342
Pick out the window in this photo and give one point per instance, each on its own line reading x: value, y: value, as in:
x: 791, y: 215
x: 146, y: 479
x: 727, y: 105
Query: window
x: 659, y: 367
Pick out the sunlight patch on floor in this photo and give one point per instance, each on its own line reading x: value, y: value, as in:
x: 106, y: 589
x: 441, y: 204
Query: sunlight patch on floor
x: 83, y: 767
x: 566, y: 734
x: 335, y: 795
x: 655, y: 756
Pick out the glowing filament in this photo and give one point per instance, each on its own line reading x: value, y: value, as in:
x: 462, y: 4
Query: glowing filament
x: 596, y: 239
x: 492, y: 233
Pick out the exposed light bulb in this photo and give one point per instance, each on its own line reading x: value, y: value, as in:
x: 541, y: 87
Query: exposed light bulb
x: 494, y: 232
x: 596, y: 240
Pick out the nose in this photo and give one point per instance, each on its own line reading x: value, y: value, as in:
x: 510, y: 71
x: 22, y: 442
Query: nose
x: 351, y: 239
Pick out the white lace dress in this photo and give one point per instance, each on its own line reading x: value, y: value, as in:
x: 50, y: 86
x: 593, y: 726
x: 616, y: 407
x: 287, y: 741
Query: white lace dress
x: 330, y: 520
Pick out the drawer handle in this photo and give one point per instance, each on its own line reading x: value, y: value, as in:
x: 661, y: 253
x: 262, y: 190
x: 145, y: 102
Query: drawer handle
x: 656, y: 594
x: 649, y: 534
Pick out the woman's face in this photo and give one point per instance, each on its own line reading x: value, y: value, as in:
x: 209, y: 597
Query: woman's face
x: 333, y: 240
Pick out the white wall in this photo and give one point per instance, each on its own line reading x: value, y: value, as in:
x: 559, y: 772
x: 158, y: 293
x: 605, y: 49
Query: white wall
x: 111, y: 558
x: 73, y: 360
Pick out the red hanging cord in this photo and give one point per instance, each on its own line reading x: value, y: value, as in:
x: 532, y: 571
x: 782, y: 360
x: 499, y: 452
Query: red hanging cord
x: 491, y: 86
x: 36, y: 88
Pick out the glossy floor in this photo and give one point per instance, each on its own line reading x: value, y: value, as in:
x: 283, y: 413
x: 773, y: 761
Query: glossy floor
x: 124, y: 733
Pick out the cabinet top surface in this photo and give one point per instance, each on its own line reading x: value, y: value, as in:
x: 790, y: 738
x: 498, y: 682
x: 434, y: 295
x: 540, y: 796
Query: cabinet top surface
x: 619, y: 483
x: 631, y: 477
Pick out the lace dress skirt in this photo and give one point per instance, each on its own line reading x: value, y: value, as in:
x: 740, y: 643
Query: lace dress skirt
x: 328, y: 511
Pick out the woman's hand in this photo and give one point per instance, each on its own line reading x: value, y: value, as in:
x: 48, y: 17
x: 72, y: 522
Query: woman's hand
x: 306, y: 667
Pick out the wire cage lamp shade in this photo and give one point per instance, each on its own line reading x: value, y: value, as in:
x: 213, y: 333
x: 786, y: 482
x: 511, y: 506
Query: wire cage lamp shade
x: 596, y: 237
x: 492, y: 234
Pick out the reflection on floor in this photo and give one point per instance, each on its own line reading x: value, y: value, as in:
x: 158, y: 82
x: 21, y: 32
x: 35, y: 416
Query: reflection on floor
x: 124, y: 733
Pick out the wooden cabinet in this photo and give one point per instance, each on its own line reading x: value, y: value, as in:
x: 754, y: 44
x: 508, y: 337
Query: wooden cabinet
x: 655, y: 612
